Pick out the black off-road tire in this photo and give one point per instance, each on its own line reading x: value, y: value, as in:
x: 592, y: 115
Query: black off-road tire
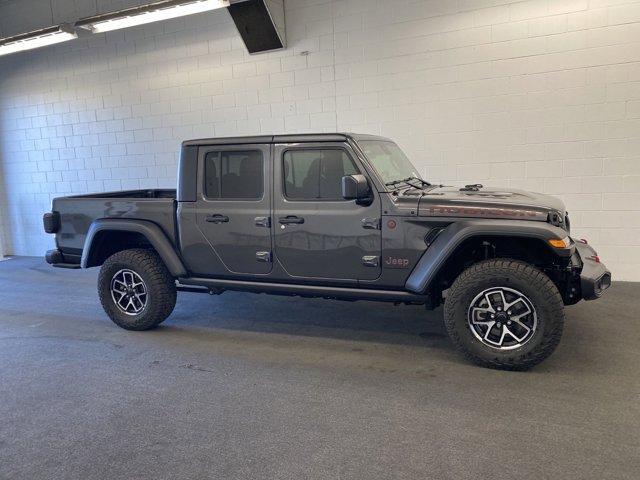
x: 533, y: 283
x: 159, y: 283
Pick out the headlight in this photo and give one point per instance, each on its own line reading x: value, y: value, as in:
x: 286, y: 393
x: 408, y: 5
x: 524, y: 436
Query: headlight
x: 555, y: 218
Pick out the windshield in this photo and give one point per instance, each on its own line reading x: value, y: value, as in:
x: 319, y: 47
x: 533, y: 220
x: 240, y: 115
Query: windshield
x: 389, y: 161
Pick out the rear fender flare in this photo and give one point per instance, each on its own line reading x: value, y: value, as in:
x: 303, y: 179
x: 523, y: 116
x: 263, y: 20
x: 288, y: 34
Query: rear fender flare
x: 446, y: 243
x: 149, y: 230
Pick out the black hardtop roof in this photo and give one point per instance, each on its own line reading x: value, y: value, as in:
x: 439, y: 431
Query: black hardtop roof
x: 295, y: 138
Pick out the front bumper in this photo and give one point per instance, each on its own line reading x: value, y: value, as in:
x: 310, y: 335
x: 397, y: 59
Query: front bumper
x: 595, y: 278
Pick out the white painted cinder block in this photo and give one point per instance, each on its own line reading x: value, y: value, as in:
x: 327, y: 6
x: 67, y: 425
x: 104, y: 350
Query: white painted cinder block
x: 535, y: 94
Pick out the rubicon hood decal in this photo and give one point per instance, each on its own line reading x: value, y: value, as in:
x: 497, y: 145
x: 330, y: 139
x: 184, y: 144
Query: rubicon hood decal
x: 435, y: 210
x: 489, y: 203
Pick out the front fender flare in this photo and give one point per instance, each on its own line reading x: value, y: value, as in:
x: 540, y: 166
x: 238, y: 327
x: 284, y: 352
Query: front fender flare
x: 149, y: 230
x: 452, y: 237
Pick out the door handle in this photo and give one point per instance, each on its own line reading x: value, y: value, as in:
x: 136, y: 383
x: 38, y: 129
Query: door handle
x: 371, y: 261
x: 217, y: 218
x: 262, y: 222
x: 371, y: 223
x: 263, y: 256
x: 289, y: 219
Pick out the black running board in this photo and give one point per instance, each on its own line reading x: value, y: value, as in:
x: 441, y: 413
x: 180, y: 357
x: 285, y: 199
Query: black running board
x: 339, y: 293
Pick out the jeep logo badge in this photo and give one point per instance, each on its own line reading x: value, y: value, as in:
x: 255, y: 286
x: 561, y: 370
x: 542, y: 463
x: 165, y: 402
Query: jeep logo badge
x: 395, y: 262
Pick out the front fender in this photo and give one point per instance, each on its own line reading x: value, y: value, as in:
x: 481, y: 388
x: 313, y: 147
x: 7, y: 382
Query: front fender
x: 149, y: 230
x: 452, y: 237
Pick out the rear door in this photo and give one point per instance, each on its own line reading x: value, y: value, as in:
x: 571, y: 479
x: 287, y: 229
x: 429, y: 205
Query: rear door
x: 319, y: 235
x: 234, y: 207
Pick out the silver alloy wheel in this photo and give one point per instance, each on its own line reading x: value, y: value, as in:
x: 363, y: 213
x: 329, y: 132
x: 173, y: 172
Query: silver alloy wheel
x: 129, y: 292
x: 502, y: 318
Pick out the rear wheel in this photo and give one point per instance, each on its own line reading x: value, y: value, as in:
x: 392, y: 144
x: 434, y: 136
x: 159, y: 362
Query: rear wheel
x: 504, y: 314
x: 136, y: 290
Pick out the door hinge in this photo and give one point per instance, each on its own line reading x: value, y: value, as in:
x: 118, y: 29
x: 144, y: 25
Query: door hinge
x: 263, y: 257
x: 262, y: 222
x: 372, y: 223
x: 371, y: 261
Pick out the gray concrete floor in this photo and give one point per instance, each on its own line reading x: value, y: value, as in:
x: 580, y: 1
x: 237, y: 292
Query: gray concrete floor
x: 246, y: 386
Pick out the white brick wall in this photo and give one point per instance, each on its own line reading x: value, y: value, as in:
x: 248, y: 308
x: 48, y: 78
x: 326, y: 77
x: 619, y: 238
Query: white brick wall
x: 540, y: 94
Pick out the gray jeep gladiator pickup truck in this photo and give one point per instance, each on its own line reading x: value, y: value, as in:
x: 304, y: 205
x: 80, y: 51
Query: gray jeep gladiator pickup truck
x: 339, y: 216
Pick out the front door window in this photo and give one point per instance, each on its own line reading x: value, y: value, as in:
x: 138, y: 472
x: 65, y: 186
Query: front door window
x: 316, y: 174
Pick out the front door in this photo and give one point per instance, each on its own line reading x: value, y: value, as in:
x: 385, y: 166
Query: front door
x: 234, y: 209
x: 319, y: 235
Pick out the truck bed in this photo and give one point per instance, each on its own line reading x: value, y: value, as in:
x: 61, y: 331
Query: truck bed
x: 79, y: 211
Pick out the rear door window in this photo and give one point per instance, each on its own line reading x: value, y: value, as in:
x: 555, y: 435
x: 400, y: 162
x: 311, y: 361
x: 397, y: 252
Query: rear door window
x: 234, y: 175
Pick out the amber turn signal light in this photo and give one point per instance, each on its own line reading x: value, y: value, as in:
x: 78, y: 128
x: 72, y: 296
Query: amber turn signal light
x: 559, y: 242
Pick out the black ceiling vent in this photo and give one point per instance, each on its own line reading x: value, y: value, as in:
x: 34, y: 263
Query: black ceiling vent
x: 257, y: 26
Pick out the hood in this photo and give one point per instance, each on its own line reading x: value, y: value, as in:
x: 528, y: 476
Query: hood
x: 489, y: 203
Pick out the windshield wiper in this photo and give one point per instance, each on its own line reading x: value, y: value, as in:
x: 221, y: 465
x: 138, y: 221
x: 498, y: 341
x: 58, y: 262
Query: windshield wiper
x: 411, y: 181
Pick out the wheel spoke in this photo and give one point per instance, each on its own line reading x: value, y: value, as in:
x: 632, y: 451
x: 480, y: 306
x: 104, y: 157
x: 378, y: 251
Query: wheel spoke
x: 123, y: 297
x: 518, y: 322
x: 136, y: 308
x: 518, y: 316
x: 502, y: 335
x: 504, y: 300
x: 489, y: 327
x: 480, y: 310
x: 515, y: 302
x: 489, y: 302
x: 126, y: 307
x: 137, y: 297
x: 518, y: 339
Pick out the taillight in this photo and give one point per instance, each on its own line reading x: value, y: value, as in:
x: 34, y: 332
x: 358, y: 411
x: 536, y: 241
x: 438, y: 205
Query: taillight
x: 51, y: 222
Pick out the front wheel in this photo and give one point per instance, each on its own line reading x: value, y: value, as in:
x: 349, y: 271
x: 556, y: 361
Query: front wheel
x: 136, y: 290
x: 504, y: 314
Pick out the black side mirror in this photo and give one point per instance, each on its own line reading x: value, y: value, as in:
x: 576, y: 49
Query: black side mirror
x: 356, y: 187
